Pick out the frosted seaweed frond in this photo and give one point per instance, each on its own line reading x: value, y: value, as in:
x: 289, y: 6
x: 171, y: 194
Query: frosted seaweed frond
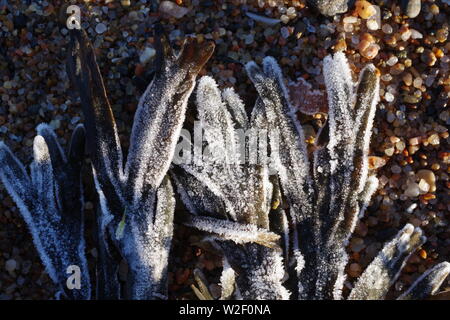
x: 50, y: 200
x: 428, y: 283
x: 137, y: 202
x: 326, y: 194
x: 231, y: 201
x: 382, y: 272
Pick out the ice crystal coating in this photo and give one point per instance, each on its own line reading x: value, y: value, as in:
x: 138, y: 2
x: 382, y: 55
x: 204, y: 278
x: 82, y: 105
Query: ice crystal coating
x: 282, y: 218
x: 231, y: 201
x: 137, y: 201
x: 428, y: 283
x: 50, y: 200
x: 327, y: 194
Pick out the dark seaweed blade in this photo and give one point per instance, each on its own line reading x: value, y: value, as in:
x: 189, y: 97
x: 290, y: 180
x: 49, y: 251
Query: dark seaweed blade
x: 102, y: 137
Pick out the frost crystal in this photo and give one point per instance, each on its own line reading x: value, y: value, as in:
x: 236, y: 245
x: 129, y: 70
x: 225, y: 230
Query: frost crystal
x: 281, y: 217
x: 50, y: 200
x: 231, y: 201
x: 327, y: 195
x: 137, y: 201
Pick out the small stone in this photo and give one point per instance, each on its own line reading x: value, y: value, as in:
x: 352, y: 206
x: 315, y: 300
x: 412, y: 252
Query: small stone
x: 367, y: 48
x: 7, y: 85
x: 389, y: 97
x: 442, y: 34
x: 249, y: 39
x: 444, y: 115
x: 11, y: 265
x: 408, y: 98
x: 390, y: 117
x: 434, y: 9
x: 423, y: 254
x: 433, y: 139
x: 392, y: 61
x: 376, y: 162
x: 147, y: 55
x: 372, y: 24
x: 389, y: 151
x: 284, y: 18
x: 405, y: 34
x: 416, y: 34
x: 291, y: 12
x: 386, y: 28
x: 412, y: 190
x: 414, y: 141
x: 411, y: 7
x: 365, y: 9
x: 329, y: 7
x: 354, y: 270
x: 397, y: 69
x: 408, y: 79
x: 357, y: 244
x: 396, y: 169
x: 400, y: 146
x: 429, y: 177
x: 100, y: 28
x: 20, y: 281
x: 394, y: 139
x: 171, y: 9
x: 417, y: 83
x: 428, y: 57
x: 89, y: 205
x: 350, y: 20
x: 423, y: 186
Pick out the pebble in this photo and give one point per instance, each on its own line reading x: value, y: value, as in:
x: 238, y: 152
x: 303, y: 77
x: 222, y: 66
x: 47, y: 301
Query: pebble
x: 390, y: 117
x: 365, y: 9
x: 433, y: 139
x: 428, y: 177
x: 285, y: 32
x: 357, y: 244
x: 423, y: 186
x: 392, y: 60
x: 367, y: 46
x: 147, y: 55
x: 10, y: 265
x: 416, y: 34
x: 387, y: 28
x: 374, y: 22
x: 329, y: 7
x: 100, y: 28
x: 407, y: 79
x: 376, y: 162
x: 396, y: 169
x: 172, y: 9
x: 354, y: 270
x: 411, y: 7
x: 412, y: 190
x: 428, y: 57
